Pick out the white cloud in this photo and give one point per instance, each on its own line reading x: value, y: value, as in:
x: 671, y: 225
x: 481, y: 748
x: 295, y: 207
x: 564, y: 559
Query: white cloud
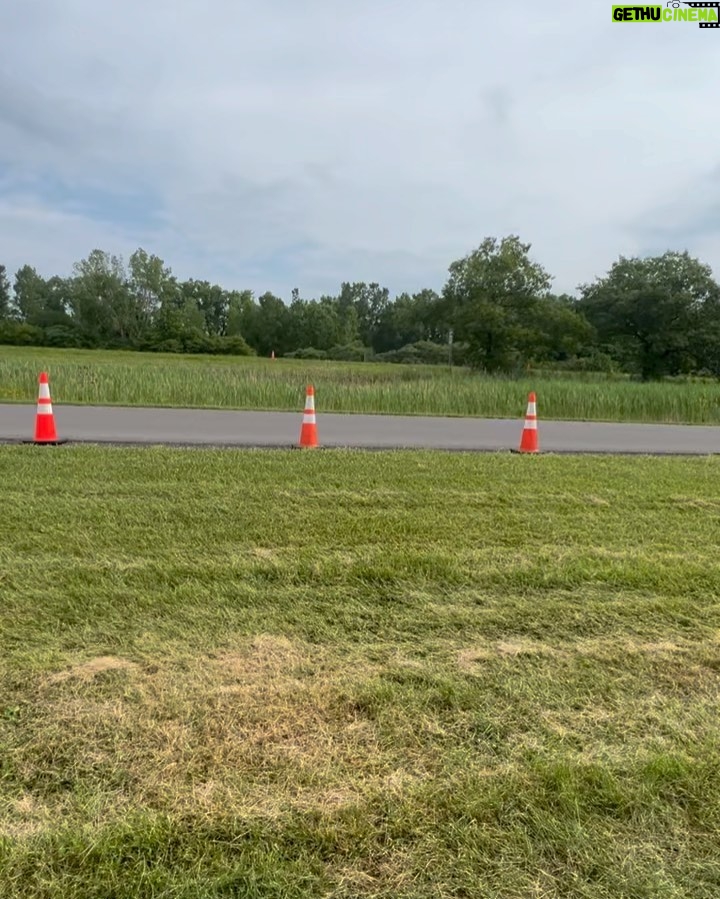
x: 285, y: 144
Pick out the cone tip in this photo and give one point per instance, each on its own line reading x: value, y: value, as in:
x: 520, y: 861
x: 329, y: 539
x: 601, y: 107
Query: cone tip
x: 531, y: 398
x: 43, y: 377
x: 310, y: 390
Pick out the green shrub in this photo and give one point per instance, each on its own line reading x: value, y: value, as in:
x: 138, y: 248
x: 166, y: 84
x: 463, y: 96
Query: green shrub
x: 235, y: 345
x: 425, y: 352
x: 307, y: 353
x: 19, y: 334
x: 351, y: 352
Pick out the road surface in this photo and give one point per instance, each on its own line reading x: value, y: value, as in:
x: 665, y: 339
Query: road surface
x: 191, y: 427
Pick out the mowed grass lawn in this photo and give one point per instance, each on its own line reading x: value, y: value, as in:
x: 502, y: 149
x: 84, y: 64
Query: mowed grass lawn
x: 148, y: 379
x: 346, y: 674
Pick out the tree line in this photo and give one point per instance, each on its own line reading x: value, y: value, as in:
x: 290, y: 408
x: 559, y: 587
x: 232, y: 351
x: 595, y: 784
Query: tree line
x: 651, y: 317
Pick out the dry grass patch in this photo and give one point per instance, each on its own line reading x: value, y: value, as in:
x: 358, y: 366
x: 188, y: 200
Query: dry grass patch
x: 469, y: 659
x: 89, y: 670
x: 26, y: 816
x: 263, y: 729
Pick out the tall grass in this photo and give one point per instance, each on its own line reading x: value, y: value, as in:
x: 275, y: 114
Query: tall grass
x: 118, y: 378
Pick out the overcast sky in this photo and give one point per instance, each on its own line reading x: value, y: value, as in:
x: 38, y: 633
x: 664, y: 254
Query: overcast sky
x: 268, y: 145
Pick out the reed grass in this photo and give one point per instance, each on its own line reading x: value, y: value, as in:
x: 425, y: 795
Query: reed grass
x: 136, y: 379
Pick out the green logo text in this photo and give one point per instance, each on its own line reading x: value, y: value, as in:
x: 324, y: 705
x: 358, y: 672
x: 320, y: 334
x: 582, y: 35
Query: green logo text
x: 662, y: 14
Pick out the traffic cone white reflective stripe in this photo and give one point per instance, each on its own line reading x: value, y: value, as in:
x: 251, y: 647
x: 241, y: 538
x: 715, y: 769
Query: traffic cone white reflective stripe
x: 309, y: 416
x: 44, y: 404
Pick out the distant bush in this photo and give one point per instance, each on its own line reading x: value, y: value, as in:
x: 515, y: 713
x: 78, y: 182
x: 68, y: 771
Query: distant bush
x: 235, y: 346
x: 595, y: 362
x: 63, y: 336
x: 307, y: 353
x: 425, y: 352
x: 19, y: 334
x: 351, y: 352
x: 164, y: 346
x: 195, y: 342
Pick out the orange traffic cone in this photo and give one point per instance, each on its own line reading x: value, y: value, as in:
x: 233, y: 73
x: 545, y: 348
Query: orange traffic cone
x: 529, y: 440
x: 308, y: 432
x: 45, y: 431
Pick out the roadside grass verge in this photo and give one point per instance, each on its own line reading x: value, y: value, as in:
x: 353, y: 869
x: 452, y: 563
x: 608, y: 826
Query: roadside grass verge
x: 146, y: 379
x: 236, y: 673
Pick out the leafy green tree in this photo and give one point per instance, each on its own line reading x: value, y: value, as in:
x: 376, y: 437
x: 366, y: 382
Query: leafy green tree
x: 299, y: 332
x: 272, y: 326
x: 369, y: 302
x: 5, y: 305
x: 349, y: 322
x: 707, y: 341
x: 315, y: 323
x: 241, y: 311
x: 329, y: 324
x: 101, y: 301
x: 153, y: 287
x: 179, y: 318
x: 59, y: 327
x: 30, y: 291
x: 409, y: 320
x: 559, y: 331
x: 651, y: 312
x: 490, y: 299
x: 212, y: 301
x: 44, y: 303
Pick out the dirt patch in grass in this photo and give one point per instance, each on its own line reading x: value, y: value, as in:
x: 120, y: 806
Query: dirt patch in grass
x: 265, y: 654
x: 25, y: 816
x: 469, y: 659
x: 593, y: 500
x: 88, y: 670
x: 627, y: 646
x: 523, y: 648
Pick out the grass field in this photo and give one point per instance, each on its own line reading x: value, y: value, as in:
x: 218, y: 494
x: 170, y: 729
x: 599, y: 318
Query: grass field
x: 248, y: 674
x: 145, y: 379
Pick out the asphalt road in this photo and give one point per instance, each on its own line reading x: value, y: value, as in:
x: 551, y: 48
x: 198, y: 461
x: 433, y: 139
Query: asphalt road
x: 190, y: 427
